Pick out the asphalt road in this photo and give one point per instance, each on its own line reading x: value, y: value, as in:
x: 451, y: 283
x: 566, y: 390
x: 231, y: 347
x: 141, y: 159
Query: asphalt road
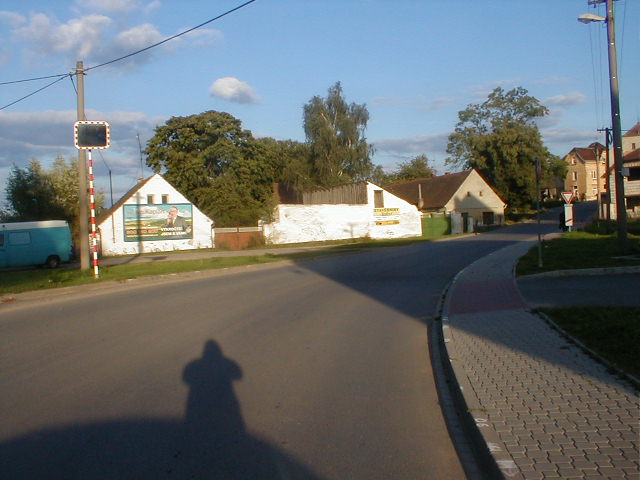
x: 315, y: 370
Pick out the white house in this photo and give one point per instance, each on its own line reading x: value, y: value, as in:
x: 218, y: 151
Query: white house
x: 153, y: 217
x: 353, y: 211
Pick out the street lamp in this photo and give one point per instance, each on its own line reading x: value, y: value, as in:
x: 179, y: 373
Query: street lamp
x: 621, y: 211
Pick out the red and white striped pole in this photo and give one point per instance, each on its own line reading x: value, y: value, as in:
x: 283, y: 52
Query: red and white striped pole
x: 92, y: 206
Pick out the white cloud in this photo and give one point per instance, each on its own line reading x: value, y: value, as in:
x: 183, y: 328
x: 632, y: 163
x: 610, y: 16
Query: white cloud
x: 420, y: 102
x: 204, y: 37
x: 233, y: 90
x: 573, y: 98
x: 570, y: 136
x: 436, y: 143
x: 110, y: 6
x: 78, y: 38
x: 13, y: 19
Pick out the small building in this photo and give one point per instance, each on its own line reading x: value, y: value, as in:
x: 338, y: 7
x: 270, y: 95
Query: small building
x: 360, y: 210
x: 464, y: 193
x: 153, y: 217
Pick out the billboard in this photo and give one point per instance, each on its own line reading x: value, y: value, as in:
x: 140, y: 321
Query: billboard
x: 158, y: 222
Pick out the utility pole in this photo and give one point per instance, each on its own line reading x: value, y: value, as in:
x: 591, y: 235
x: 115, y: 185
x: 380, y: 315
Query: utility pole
x: 621, y: 211
x: 83, y: 213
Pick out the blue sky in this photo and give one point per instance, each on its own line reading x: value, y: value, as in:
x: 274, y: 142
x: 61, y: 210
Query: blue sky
x: 414, y: 63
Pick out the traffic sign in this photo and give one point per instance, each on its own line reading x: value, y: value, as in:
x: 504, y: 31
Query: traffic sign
x: 90, y: 135
x: 568, y: 196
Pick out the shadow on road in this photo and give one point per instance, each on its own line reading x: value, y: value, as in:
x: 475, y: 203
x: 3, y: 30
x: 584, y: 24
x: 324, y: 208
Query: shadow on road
x: 211, y: 443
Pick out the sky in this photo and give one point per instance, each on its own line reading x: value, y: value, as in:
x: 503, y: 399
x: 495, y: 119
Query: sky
x: 415, y: 64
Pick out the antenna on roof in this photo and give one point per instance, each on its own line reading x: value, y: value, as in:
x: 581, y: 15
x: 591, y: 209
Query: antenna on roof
x: 140, y: 150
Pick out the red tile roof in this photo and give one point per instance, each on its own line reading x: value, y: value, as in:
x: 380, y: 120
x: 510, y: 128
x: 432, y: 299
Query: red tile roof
x: 435, y: 191
x: 634, y: 132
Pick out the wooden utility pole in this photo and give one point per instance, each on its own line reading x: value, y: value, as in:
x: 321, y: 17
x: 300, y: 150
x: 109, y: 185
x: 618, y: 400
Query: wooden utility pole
x: 83, y: 213
x: 621, y: 210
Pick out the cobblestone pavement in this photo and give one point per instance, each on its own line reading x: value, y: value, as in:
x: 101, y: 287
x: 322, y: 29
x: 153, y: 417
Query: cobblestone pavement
x: 543, y: 407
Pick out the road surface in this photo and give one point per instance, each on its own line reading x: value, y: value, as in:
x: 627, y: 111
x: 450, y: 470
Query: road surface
x: 315, y: 370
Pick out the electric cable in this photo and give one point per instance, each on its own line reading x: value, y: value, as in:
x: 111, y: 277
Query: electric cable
x: 63, y: 75
x: 228, y: 12
x: 32, y: 93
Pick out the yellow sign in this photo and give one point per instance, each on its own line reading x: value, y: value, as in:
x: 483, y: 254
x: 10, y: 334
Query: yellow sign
x: 388, y: 222
x: 386, y: 212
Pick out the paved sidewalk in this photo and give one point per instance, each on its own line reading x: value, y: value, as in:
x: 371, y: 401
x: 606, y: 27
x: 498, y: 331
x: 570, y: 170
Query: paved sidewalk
x: 543, y: 408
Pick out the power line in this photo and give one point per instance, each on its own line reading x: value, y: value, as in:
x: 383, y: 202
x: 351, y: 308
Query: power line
x: 228, y: 12
x: 63, y: 75
x: 34, y: 79
x: 33, y: 93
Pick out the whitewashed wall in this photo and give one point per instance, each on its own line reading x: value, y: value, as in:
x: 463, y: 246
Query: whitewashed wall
x: 312, y: 223
x: 112, y: 228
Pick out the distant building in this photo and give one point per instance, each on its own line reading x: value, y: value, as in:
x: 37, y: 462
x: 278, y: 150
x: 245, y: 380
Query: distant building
x: 465, y: 193
x: 153, y: 217
x: 586, y: 171
x: 631, y: 164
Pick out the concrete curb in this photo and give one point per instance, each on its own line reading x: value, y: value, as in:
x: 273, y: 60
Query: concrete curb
x: 585, y: 272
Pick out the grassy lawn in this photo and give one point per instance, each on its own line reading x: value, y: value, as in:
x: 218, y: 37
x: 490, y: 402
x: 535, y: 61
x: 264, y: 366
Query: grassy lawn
x: 576, y: 250
x: 612, y: 332
x: 38, y: 279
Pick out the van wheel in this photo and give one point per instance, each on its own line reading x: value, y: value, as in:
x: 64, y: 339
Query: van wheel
x: 53, y: 261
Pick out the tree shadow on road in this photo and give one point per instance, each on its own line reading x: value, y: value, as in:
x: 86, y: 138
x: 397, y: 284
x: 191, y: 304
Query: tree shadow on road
x: 211, y: 443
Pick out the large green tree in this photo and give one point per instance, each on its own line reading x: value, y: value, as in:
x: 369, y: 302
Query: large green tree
x: 414, y: 169
x: 339, y: 152
x: 33, y: 193
x: 500, y: 139
x: 30, y: 195
x: 222, y: 168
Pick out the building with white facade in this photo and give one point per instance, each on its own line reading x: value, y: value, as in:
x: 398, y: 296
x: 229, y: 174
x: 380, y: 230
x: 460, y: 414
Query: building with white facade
x: 361, y: 210
x: 153, y: 217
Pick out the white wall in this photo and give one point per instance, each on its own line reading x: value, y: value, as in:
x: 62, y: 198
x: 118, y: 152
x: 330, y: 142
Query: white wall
x: 311, y: 223
x: 112, y: 228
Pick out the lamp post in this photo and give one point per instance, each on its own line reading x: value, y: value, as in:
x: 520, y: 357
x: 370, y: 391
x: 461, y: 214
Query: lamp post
x: 621, y: 212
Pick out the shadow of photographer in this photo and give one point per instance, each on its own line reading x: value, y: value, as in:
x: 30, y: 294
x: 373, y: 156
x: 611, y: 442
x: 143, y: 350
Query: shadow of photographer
x: 211, y: 443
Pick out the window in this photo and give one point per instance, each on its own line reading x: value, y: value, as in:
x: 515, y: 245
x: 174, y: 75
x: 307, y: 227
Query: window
x: 150, y: 199
x: 574, y: 176
x: 488, y: 218
x: 573, y: 160
x: 165, y: 198
x: 594, y: 176
x: 378, y: 199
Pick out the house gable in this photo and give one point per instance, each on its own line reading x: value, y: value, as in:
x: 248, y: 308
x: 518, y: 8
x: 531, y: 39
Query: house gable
x: 152, y: 199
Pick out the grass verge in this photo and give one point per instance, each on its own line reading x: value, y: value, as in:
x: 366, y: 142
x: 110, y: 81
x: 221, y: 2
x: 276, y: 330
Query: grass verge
x: 38, y: 279
x: 576, y: 250
x: 611, y: 332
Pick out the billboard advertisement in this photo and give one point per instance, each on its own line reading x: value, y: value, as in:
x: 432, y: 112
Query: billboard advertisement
x: 158, y: 222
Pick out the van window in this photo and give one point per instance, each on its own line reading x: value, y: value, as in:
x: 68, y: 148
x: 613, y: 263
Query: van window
x: 19, y: 238
x: 1, y: 239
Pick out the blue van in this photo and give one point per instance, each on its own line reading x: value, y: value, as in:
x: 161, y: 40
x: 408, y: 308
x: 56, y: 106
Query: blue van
x: 35, y: 243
